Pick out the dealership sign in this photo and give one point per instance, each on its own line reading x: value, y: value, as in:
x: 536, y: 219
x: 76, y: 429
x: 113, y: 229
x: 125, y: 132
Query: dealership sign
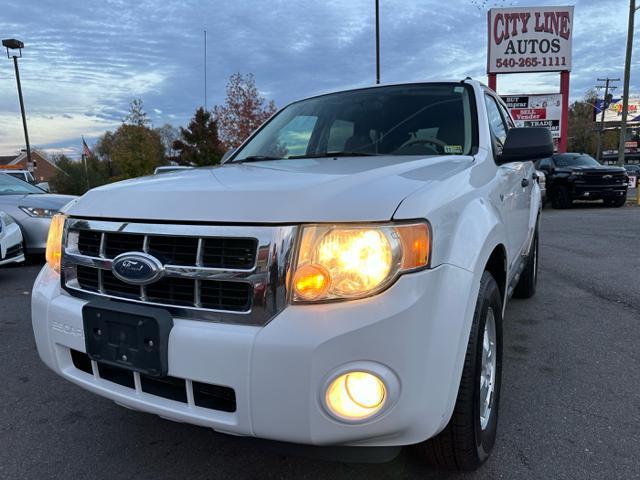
x: 613, y: 113
x: 536, y: 111
x: 530, y: 39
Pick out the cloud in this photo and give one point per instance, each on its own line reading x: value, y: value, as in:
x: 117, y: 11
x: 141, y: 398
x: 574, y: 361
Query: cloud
x: 85, y: 61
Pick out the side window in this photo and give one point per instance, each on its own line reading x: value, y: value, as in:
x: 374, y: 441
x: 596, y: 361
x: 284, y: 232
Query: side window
x: 339, y: 133
x: 545, y: 164
x: 496, y: 123
x: 507, y: 117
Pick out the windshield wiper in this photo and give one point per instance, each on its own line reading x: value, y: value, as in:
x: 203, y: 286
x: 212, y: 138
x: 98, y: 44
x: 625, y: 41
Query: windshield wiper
x: 335, y: 154
x: 256, y: 158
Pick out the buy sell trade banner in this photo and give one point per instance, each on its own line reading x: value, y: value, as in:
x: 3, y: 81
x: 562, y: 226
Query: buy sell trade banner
x: 539, y: 110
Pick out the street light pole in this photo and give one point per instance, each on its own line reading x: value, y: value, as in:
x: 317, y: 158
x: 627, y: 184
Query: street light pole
x: 13, y: 44
x: 625, y: 91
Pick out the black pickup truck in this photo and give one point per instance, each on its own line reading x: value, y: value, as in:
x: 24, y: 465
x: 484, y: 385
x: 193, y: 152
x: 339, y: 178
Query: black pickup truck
x: 578, y: 176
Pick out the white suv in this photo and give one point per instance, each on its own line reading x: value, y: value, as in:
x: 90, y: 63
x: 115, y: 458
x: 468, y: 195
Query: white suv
x: 340, y: 280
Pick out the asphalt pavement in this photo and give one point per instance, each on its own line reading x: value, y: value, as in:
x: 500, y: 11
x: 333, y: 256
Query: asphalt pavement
x: 570, y: 404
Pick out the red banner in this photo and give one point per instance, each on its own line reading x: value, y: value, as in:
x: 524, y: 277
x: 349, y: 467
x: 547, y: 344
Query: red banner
x: 529, y: 113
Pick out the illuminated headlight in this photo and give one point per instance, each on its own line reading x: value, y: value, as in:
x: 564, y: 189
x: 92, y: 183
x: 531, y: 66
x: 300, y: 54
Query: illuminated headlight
x: 38, y: 212
x: 54, y: 242
x: 341, y: 262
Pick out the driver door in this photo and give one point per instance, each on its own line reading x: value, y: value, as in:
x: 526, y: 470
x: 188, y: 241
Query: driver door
x: 517, y: 181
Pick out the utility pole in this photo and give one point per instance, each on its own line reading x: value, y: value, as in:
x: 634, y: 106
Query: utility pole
x: 606, y: 87
x: 377, y: 42
x: 625, y: 91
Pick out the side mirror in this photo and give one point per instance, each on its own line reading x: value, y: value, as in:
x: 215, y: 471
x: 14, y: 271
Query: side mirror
x: 526, y: 144
x: 228, y: 154
x: 44, y: 186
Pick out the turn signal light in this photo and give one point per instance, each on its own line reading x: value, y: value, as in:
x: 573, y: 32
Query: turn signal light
x: 54, y: 242
x: 311, y: 282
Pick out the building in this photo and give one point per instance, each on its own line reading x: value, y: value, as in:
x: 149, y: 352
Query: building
x: 43, y: 167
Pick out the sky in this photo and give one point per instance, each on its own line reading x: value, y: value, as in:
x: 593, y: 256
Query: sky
x: 85, y: 60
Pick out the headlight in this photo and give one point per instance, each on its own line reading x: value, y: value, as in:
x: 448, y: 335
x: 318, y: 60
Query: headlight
x: 54, y: 242
x: 340, y: 262
x: 39, y: 212
x: 6, y: 219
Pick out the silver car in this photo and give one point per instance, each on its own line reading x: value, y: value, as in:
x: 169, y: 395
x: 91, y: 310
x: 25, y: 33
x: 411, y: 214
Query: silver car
x: 31, y: 208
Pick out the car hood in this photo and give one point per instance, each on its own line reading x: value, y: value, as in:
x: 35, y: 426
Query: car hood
x: 603, y: 169
x: 44, y: 200
x: 280, y: 191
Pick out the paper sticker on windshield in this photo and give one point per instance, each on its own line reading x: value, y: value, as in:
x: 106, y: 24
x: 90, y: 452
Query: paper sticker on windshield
x: 453, y: 149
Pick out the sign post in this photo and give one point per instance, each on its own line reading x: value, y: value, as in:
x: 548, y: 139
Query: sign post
x: 532, y: 39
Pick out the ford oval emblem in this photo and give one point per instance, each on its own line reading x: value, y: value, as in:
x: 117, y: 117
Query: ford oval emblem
x: 137, y: 268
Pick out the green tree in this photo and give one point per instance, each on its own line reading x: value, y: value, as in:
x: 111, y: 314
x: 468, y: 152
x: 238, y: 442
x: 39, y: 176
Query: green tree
x: 582, y: 135
x: 134, y: 149
x: 243, y: 112
x: 199, y: 143
x: 137, y: 150
x: 137, y: 116
x: 73, y: 178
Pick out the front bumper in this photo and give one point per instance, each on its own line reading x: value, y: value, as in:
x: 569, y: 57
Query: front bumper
x: 590, y: 192
x: 418, y: 329
x: 35, y: 231
x: 11, y: 245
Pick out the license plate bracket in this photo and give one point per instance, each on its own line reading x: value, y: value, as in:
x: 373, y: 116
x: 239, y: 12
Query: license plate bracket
x: 132, y: 337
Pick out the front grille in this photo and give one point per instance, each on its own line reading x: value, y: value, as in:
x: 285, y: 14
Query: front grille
x: 597, y: 178
x: 215, y: 295
x: 220, y: 273
x: 13, y: 251
x: 88, y: 278
x: 225, y: 253
x: 184, y: 251
x: 229, y: 253
x: 205, y: 395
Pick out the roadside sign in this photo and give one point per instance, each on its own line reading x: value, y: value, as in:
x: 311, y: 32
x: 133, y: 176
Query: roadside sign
x: 530, y: 39
x: 633, y: 181
x: 539, y: 110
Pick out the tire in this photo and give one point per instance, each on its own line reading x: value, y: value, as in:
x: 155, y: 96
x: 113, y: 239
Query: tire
x: 526, y: 287
x: 560, y: 198
x: 618, y: 202
x: 467, y: 440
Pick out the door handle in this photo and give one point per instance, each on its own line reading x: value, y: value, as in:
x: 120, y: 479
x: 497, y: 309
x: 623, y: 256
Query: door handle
x: 524, y: 182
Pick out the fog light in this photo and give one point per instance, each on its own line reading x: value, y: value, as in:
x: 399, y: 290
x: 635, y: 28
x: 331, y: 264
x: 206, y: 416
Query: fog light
x: 356, y: 395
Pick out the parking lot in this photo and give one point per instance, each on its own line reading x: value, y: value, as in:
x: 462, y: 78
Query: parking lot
x: 570, y: 401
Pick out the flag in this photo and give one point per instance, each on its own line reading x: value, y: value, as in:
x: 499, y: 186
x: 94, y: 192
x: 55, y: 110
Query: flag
x: 85, y: 149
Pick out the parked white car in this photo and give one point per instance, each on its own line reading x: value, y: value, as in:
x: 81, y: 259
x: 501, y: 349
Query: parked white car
x: 340, y: 280
x: 26, y: 176
x: 10, y: 241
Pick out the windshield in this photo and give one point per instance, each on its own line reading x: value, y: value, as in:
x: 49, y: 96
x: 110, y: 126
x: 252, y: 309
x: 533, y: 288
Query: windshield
x: 423, y: 119
x: 575, y: 161
x: 13, y: 186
